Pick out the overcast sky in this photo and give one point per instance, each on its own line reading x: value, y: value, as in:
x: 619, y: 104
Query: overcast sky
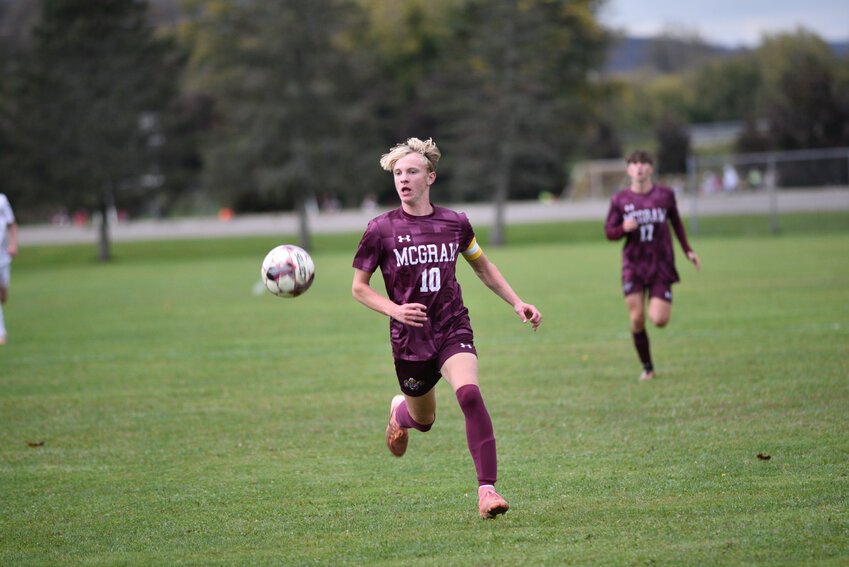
x: 732, y: 23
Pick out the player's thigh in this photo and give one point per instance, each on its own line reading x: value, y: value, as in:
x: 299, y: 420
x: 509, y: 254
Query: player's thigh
x: 461, y: 370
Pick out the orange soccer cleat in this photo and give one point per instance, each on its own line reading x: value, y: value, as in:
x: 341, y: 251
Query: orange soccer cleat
x: 490, y: 503
x: 396, y: 436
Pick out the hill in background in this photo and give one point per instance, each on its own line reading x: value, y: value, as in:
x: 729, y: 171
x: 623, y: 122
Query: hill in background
x: 668, y: 54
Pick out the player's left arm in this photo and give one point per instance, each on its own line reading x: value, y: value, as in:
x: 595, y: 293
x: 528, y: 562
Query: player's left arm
x: 491, y: 276
x: 678, y: 227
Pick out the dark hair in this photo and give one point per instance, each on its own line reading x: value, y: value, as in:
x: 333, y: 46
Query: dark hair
x: 640, y: 156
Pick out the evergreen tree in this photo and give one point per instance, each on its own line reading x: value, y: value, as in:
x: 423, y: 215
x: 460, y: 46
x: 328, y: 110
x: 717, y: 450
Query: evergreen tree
x: 292, y: 124
x: 806, y: 106
x: 92, y: 106
x: 515, y: 96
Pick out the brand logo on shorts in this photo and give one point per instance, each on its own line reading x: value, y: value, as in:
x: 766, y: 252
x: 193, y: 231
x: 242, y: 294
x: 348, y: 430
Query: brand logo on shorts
x: 412, y: 384
x: 405, y: 238
x: 667, y: 295
x: 627, y: 286
x: 466, y: 345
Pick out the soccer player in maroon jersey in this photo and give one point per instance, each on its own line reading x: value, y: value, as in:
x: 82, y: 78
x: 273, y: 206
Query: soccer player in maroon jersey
x: 642, y: 214
x: 416, y: 248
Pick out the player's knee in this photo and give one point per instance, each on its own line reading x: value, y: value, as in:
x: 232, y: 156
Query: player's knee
x: 637, y: 324
x: 470, y: 400
x: 660, y: 320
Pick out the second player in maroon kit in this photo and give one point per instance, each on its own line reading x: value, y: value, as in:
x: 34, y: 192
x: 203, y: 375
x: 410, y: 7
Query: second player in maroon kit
x: 416, y: 248
x: 642, y: 214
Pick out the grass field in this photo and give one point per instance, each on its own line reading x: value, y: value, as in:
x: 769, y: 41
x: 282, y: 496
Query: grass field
x: 155, y: 411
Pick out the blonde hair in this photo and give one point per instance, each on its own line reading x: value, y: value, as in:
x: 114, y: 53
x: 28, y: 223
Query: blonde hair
x: 427, y: 149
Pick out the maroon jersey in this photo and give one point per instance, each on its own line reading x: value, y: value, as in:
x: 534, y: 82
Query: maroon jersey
x: 647, y: 255
x: 418, y: 257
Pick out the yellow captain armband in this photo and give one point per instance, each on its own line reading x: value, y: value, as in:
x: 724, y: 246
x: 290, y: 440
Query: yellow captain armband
x: 473, y: 252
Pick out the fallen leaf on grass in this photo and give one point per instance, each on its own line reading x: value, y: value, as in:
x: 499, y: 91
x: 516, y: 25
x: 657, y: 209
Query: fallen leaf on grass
x: 764, y: 456
x: 35, y: 443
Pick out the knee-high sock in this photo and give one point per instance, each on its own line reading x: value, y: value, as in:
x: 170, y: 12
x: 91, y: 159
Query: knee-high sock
x: 402, y: 417
x: 641, y: 343
x: 479, y: 433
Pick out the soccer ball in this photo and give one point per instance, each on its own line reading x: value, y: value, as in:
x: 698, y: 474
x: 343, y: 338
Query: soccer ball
x: 287, y: 271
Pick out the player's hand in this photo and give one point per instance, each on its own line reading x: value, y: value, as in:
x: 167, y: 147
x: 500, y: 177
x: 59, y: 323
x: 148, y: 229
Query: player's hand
x: 694, y: 259
x: 528, y: 312
x: 630, y: 225
x: 412, y: 314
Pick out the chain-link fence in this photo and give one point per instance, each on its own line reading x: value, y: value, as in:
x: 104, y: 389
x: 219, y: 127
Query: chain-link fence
x: 769, y: 182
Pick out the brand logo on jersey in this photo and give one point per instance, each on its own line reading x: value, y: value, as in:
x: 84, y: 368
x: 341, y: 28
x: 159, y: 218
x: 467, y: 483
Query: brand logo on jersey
x: 426, y: 253
x: 405, y: 238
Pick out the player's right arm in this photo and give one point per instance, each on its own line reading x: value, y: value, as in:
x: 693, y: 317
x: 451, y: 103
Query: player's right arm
x: 616, y: 225
x: 412, y: 314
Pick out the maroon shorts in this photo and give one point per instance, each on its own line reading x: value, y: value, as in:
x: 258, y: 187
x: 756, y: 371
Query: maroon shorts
x: 418, y: 377
x: 661, y: 290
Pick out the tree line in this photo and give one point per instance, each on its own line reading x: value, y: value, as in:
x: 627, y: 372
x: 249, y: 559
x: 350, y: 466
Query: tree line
x: 261, y: 106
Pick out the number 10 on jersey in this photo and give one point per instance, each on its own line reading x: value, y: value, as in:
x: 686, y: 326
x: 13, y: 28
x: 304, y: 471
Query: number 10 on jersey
x: 431, y: 280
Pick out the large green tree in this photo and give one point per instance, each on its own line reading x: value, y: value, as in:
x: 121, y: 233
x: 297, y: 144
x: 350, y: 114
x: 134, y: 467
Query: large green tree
x: 515, y: 95
x: 292, y: 124
x: 806, y: 94
x: 503, y: 87
x: 91, y: 108
x: 727, y: 89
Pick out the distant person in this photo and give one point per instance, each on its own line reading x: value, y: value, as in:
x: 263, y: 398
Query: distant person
x: 730, y: 179
x: 641, y: 214
x: 369, y: 203
x: 8, y: 250
x: 416, y: 247
x: 711, y: 183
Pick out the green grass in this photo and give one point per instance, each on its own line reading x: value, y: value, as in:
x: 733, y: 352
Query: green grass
x: 187, y: 421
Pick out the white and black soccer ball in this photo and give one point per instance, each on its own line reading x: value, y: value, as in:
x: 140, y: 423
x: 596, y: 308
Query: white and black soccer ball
x: 287, y: 271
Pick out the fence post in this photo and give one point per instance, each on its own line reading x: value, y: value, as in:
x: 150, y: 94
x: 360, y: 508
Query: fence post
x: 693, y: 186
x: 772, y: 181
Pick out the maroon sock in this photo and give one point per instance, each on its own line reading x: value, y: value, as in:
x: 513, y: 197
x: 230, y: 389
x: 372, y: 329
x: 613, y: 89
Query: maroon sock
x: 402, y: 418
x: 479, y: 433
x: 641, y: 343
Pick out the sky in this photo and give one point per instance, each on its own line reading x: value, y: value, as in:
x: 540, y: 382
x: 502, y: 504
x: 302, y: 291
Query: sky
x: 730, y: 23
